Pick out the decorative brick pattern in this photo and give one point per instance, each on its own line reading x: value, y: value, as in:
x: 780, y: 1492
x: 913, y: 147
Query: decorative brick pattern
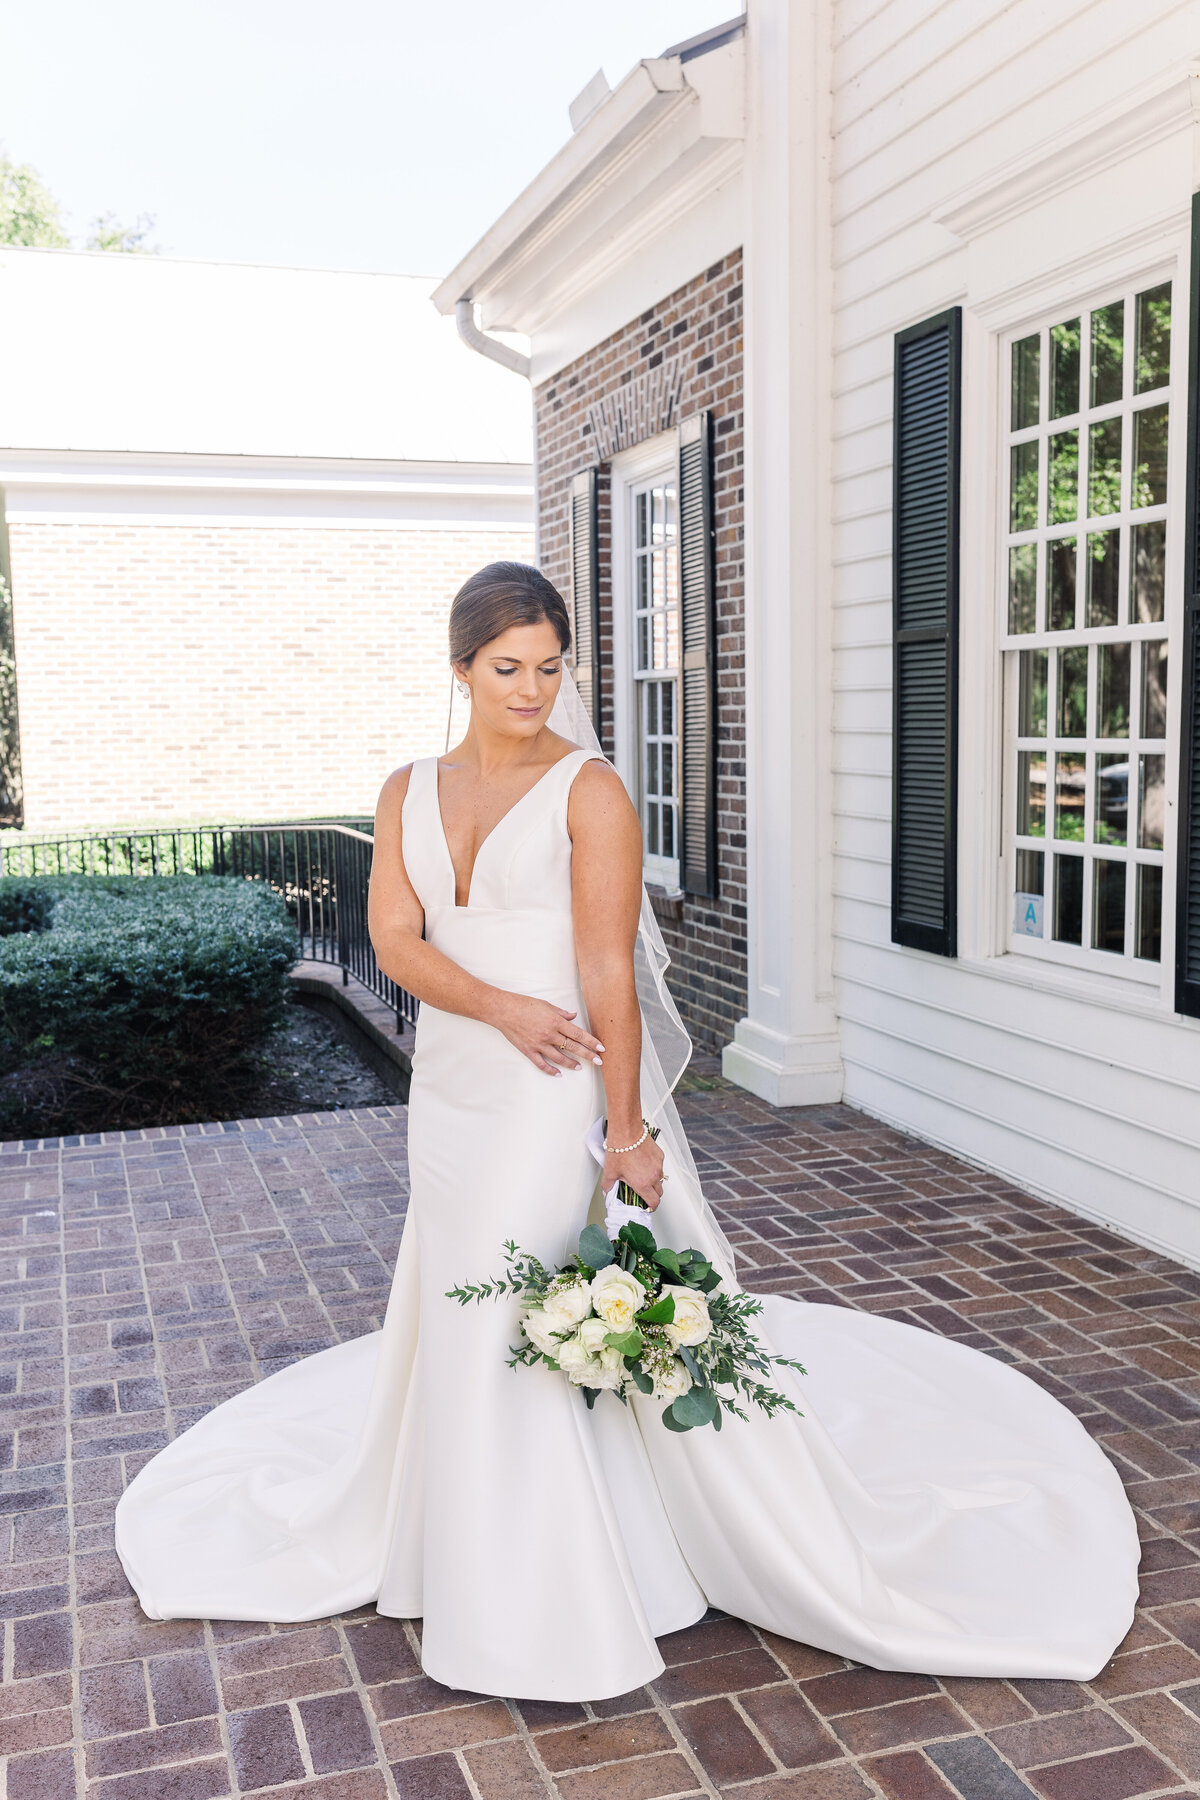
x: 231, y: 671
x: 158, y: 1272
x: 645, y: 405
x: 681, y: 357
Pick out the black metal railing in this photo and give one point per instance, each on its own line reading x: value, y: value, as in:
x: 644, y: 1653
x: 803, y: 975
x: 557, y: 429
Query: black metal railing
x: 322, y: 870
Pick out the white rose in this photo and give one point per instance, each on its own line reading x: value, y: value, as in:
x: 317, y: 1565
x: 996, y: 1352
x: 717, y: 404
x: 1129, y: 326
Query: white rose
x: 617, y: 1296
x: 592, y: 1334
x: 577, y: 1364
x: 539, y: 1328
x: 691, y: 1324
x: 605, y: 1374
x: 674, y: 1381
x: 568, y: 1305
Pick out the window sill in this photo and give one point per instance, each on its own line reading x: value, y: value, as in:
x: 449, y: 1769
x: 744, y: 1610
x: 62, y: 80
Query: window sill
x: 666, y: 903
x: 1110, y: 992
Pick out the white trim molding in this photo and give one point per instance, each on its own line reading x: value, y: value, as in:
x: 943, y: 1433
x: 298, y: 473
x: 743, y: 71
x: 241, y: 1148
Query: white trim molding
x: 644, y: 196
x: 99, y: 487
x: 653, y: 459
x: 788, y: 1049
x: 1063, y: 161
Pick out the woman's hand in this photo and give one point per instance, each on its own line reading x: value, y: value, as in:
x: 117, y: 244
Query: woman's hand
x: 546, y: 1034
x: 641, y: 1168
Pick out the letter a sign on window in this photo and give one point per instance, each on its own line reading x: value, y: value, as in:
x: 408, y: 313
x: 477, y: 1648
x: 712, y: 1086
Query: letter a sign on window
x: 1027, y: 915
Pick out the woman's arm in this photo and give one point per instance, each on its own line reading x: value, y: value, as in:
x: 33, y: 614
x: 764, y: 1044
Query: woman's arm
x: 606, y: 892
x: 396, y: 921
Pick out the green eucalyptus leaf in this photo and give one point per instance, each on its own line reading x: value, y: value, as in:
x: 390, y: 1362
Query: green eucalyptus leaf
x: 670, y: 1420
x: 661, y: 1313
x: 594, y: 1247
x: 710, y: 1281
x: 691, y: 1365
x: 697, y: 1407
x: 629, y: 1343
x: 642, y: 1240
x: 668, y: 1260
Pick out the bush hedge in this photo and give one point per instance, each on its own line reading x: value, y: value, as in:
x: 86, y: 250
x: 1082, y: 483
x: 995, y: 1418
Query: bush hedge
x: 130, y: 1000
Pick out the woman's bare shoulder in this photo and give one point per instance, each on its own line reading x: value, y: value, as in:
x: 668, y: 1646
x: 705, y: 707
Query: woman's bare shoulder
x: 597, y: 779
x: 394, y: 789
x: 598, y: 799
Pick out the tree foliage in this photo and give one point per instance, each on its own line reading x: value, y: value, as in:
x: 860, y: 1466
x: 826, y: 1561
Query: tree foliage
x: 31, y: 216
x: 29, y: 213
x: 108, y: 233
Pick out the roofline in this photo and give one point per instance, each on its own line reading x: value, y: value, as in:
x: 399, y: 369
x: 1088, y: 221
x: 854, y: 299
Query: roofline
x: 157, y: 259
x: 652, y: 87
x: 34, y: 465
x: 704, y: 41
x: 648, y: 90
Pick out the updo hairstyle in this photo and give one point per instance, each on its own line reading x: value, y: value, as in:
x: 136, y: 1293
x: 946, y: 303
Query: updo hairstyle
x: 498, y: 597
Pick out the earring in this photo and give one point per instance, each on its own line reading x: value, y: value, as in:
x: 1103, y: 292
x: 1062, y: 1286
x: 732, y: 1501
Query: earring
x: 463, y: 689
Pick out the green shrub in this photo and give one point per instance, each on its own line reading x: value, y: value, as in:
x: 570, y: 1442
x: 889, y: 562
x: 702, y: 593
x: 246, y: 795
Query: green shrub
x: 131, y: 1000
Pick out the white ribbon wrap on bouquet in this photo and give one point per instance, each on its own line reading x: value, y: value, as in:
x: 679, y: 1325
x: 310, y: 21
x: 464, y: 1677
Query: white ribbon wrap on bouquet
x: 616, y: 1213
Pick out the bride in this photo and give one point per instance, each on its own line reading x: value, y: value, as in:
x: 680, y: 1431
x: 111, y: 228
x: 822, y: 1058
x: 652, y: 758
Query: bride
x: 930, y: 1510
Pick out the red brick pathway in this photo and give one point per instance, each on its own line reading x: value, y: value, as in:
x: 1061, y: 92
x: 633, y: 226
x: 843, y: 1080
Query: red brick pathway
x: 150, y: 1275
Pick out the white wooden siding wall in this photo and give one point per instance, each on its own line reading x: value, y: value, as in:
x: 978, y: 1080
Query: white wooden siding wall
x: 1075, y: 1086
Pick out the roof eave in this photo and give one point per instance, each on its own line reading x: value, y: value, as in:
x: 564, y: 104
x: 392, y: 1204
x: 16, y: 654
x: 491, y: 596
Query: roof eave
x: 633, y: 106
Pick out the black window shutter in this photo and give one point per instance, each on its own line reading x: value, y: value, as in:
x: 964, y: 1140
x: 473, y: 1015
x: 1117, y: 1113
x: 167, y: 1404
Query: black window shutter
x: 925, y: 524
x: 1187, y: 910
x: 698, y: 700
x: 585, y: 592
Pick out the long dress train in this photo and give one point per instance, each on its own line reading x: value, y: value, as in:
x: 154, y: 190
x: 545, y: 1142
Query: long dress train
x: 932, y: 1510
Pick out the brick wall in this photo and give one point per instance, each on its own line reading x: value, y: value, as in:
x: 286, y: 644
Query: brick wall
x: 679, y: 358
x: 188, y: 671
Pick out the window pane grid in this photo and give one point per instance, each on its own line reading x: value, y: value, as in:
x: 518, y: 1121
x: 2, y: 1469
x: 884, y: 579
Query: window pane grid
x: 1084, y: 582
x: 1091, y: 799
x: 655, y: 590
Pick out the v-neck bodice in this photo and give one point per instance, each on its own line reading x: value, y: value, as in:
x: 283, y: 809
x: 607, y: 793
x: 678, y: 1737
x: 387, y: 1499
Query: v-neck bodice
x: 516, y: 928
x: 524, y: 862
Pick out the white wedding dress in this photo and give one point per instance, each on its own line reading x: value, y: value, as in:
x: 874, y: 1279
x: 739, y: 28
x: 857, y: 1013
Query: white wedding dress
x: 932, y: 1510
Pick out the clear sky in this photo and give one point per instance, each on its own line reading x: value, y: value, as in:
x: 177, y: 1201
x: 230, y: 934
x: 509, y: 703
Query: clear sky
x: 362, y: 134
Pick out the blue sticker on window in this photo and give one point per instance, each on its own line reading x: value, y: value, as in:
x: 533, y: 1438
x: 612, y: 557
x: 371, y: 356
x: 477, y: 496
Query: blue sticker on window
x: 1027, y: 915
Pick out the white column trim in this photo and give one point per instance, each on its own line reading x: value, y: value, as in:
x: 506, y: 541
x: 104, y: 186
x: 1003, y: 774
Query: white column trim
x: 787, y: 1048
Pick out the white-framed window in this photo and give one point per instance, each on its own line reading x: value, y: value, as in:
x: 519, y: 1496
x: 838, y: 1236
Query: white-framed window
x: 1088, y: 409
x: 645, y: 519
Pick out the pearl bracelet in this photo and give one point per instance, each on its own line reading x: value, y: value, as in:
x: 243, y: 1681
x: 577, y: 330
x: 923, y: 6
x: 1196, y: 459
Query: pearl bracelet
x: 620, y: 1149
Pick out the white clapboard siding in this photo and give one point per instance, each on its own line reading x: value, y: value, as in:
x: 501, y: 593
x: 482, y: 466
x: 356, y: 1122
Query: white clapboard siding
x: 1077, y: 1085
x: 1008, y: 67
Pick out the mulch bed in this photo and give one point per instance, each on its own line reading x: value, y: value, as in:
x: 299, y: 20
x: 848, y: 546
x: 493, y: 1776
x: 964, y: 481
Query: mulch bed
x: 303, y: 1065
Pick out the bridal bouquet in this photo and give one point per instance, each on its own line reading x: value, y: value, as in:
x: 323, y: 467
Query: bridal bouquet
x: 626, y: 1314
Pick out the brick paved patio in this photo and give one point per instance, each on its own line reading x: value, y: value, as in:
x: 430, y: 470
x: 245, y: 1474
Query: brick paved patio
x: 156, y: 1273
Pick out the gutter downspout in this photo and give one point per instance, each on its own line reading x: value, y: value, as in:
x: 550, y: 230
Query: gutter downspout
x: 469, y: 332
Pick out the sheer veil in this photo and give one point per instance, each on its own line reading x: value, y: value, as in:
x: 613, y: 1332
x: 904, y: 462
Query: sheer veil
x: 666, y: 1045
